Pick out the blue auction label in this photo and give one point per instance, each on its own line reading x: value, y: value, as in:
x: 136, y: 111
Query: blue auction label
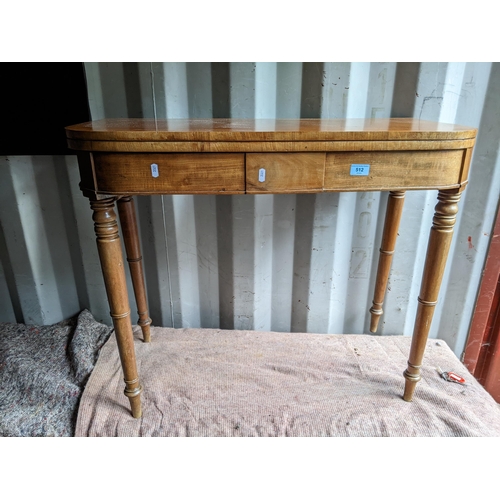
x: 360, y: 169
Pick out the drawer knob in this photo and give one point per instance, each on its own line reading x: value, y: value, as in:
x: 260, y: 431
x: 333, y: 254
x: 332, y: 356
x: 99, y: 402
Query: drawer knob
x: 154, y: 170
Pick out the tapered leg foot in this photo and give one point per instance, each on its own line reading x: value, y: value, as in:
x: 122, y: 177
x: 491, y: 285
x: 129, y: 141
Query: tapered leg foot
x: 110, y: 255
x: 134, y: 396
x: 376, y: 312
x: 412, y: 376
x: 437, y: 252
x: 130, y: 232
x: 389, y: 236
x: 146, y: 331
x: 135, y: 404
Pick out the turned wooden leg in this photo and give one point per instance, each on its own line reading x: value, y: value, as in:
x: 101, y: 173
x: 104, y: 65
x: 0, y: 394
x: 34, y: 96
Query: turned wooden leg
x: 110, y: 255
x: 391, y: 225
x: 128, y: 222
x: 437, y: 251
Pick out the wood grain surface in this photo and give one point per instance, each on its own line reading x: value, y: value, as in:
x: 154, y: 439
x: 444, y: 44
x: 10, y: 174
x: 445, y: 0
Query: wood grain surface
x: 223, y: 129
x: 122, y: 157
x: 285, y: 173
x: 390, y: 171
x: 177, y: 173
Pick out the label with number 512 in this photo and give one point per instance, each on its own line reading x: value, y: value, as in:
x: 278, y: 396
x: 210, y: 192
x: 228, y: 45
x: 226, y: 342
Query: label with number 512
x: 360, y: 169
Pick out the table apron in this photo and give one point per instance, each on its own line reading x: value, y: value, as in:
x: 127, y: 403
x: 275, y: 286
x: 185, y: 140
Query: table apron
x: 273, y: 173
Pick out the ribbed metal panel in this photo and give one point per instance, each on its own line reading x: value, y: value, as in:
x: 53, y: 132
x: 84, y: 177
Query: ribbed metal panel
x: 283, y: 262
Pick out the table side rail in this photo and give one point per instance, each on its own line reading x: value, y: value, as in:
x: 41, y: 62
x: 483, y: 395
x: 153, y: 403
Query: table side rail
x: 271, y: 173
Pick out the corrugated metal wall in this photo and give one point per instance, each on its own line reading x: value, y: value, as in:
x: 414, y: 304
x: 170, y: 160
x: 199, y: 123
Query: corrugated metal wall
x: 266, y: 262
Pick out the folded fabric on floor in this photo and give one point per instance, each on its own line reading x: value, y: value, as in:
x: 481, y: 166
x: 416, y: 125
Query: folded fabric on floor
x: 201, y: 382
x: 43, y: 370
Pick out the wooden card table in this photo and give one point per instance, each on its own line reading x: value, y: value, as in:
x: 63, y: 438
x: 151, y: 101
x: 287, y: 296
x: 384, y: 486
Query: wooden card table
x: 120, y: 158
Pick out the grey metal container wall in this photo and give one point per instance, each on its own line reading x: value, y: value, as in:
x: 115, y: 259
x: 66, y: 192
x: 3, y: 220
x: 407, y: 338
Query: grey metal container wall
x: 281, y: 263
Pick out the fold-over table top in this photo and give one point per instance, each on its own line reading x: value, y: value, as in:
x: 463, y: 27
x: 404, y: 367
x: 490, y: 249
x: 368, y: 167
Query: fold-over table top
x: 236, y: 130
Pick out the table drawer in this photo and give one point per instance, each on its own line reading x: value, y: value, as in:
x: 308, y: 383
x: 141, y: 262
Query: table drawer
x: 199, y: 173
x: 402, y: 169
x: 285, y: 172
